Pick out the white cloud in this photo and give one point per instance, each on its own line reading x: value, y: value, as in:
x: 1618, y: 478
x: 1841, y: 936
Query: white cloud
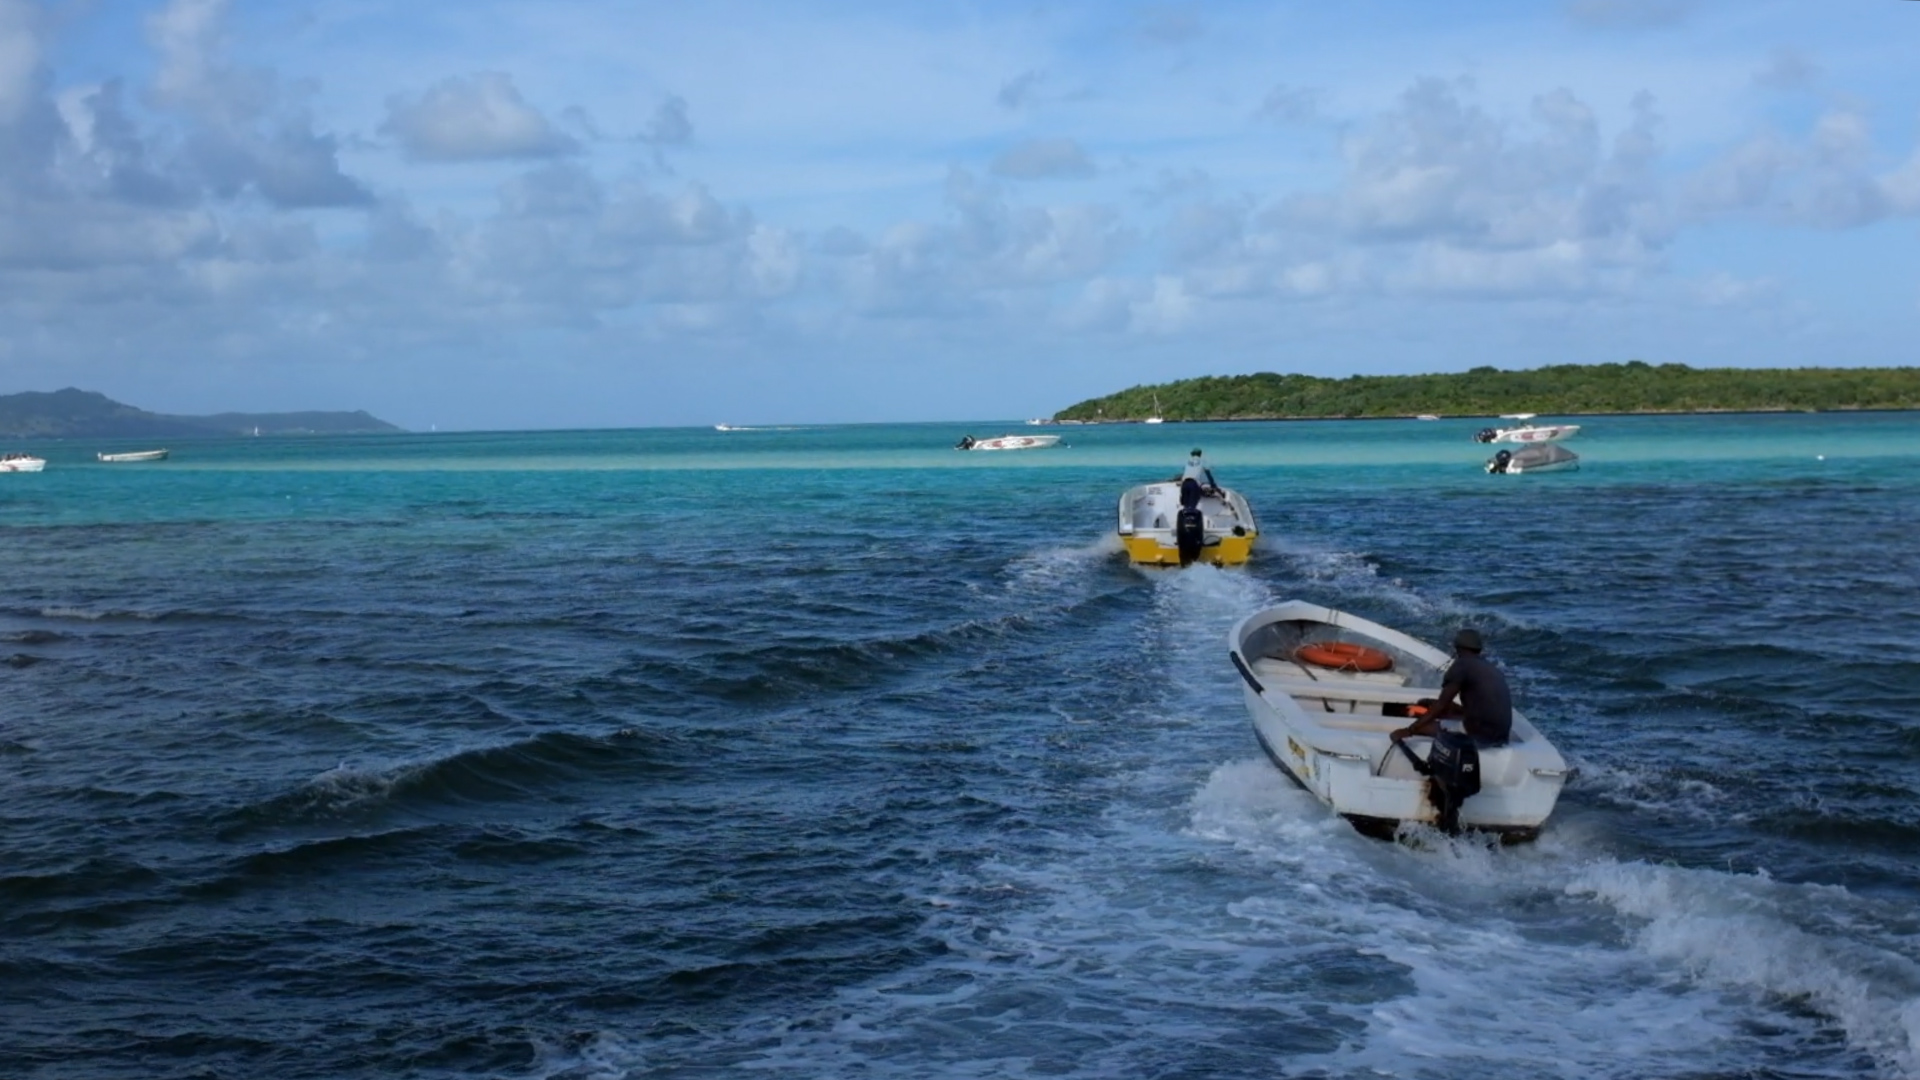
x: 1289, y: 105
x: 670, y: 126
x: 1787, y: 69
x: 19, y: 58
x: 1721, y: 289
x: 1043, y: 159
x: 478, y: 117
x: 247, y: 133
x: 1168, y: 309
x: 187, y: 35
x: 1019, y: 91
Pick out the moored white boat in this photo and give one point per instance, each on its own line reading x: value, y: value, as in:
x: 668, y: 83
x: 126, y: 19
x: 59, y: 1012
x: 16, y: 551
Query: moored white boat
x: 18, y: 462
x: 1526, y: 431
x: 1158, y: 528
x: 1007, y: 442
x: 1540, y: 457
x: 1329, y: 728
x: 135, y: 455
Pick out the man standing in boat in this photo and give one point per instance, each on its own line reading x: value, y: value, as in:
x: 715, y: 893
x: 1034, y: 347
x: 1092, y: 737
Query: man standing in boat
x: 1472, y: 691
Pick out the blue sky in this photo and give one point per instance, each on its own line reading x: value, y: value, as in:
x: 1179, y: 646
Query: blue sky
x: 582, y: 213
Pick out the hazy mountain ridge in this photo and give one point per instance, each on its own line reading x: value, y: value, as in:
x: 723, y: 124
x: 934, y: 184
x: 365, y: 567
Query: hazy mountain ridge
x: 82, y: 414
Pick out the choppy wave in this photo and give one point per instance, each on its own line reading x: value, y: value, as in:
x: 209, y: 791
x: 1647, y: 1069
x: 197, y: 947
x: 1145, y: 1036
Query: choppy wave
x: 526, y: 769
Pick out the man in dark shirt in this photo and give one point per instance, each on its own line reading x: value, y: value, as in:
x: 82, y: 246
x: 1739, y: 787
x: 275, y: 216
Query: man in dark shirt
x: 1472, y: 690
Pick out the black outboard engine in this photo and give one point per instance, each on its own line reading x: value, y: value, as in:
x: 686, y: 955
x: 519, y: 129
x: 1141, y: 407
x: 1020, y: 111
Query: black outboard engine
x: 1453, y: 776
x: 1500, y: 461
x: 1485, y: 434
x: 965, y: 443
x: 1452, y: 770
x: 1190, y: 533
x: 1190, y: 524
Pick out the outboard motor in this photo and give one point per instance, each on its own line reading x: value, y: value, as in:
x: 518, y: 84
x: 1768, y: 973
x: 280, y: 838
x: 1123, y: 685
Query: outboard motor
x: 1190, y: 533
x: 1190, y: 524
x: 1500, y: 462
x: 1452, y: 770
x: 965, y: 443
x: 1485, y: 434
x: 1453, y: 776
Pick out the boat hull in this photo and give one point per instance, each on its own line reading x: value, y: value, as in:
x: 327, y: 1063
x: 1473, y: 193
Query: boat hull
x: 22, y: 463
x: 1330, y: 731
x: 1547, y: 457
x: 1162, y: 551
x: 134, y: 457
x: 1014, y: 442
x: 1147, y: 515
x: 1544, y: 433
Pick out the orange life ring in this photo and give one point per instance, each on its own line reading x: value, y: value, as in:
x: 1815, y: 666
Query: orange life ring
x: 1344, y: 655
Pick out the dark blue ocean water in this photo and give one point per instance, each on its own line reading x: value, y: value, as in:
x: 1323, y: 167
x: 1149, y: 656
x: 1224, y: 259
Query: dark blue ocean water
x: 833, y: 752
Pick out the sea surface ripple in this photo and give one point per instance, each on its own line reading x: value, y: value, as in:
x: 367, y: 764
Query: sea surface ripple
x: 831, y: 751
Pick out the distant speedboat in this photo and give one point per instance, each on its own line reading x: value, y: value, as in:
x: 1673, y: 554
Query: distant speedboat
x: 1007, y: 442
x: 1326, y: 690
x: 1540, y: 457
x: 724, y: 427
x: 1525, y: 431
x: 21, y: 463
x: 1426, y: 416
x: 1185, y: 520
x: 136, y: 455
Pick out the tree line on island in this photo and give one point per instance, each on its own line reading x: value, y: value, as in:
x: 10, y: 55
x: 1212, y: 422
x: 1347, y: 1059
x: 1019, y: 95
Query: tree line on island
x: 1632, y: 387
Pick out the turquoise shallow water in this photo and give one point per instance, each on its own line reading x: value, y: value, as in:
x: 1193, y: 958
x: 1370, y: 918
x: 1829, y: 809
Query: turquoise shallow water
x: 826, y: 751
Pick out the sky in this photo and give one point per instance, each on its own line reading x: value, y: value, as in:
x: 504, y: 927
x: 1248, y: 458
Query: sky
x: 592, y: 214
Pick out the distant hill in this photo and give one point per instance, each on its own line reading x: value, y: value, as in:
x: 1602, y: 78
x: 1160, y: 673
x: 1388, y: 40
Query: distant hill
x: 1633, y: 387
x: 84, y: 414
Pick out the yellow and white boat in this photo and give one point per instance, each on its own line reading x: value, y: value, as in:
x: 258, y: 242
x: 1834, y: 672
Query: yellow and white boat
x: 1185, y: 520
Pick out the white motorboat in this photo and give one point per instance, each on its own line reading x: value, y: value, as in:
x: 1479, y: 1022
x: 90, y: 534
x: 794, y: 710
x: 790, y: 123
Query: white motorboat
x: 1540, y: 457
x: 17, y: 462
x: 1326, y: 689
x: 1007, y: 442
x: 136, y: 455
x: 1526, y: 431
x: 1170, y: 523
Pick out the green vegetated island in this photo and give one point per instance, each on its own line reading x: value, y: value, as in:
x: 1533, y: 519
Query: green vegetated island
x: 1565, y: 389
x: 84, y: 414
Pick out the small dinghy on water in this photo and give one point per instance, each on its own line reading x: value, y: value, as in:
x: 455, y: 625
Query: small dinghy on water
x: 1326, y: 690
x: 132, y: 457
x: 1541, y: 457
x: 1185, y: 520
